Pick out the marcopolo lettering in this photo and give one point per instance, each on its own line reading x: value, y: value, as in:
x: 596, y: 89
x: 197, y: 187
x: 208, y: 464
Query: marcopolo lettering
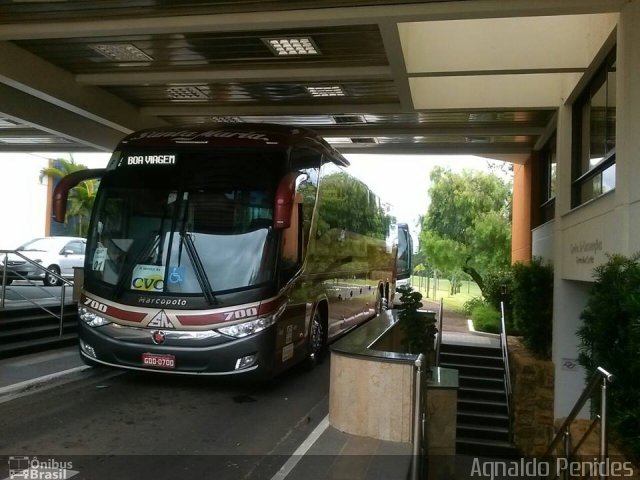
x: 151, y: 160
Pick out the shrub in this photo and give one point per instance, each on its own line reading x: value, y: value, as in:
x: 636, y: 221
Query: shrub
x: 419, y: 331
x: 472, y: 303
x: 610, y: 338
x: 486, y: 318
x: 532, y: 305
x: 494, y: 284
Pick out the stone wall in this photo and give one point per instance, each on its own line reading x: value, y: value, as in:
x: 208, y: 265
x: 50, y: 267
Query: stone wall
x: 371, y: 398
x: 532, y: 384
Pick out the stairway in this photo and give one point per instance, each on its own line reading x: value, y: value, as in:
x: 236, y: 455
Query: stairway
x: 483, y: 418
x: 29, y: 330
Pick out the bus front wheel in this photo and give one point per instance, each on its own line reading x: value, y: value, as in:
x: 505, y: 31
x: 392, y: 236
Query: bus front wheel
x: 317, y: 340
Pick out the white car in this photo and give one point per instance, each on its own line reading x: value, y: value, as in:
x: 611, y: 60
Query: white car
x: 57, y: 254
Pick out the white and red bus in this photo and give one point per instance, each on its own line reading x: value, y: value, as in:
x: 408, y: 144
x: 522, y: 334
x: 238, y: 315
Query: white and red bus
x: 228, y: 249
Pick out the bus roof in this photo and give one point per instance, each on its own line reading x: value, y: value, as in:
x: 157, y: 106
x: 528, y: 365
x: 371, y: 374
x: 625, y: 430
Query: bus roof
x: 233, y: 135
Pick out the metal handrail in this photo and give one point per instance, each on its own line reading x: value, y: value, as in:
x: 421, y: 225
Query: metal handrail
x: 3, y: 286
x: 439, y: 334
x: 600, y: 378
x: 504, y: 346
x: 418, y: 430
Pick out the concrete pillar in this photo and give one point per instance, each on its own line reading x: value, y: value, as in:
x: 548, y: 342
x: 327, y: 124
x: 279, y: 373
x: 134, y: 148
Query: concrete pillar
x: 628, y: 124
x: 521, y: 214
x: 569, y: 299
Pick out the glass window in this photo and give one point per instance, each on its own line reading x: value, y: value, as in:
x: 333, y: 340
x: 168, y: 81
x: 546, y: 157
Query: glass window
x: 203, y: 225
x: 595, y: 136
x: 548, y: 169
x: 76, y: 247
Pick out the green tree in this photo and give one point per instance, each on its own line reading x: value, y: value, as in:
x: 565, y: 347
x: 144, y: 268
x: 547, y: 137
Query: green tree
x: 468, y: 224
x: 81, y: 197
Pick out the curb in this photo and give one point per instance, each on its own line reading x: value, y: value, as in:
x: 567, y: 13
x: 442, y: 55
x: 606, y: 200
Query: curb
x: 19, y: 389
x: 473, y: 331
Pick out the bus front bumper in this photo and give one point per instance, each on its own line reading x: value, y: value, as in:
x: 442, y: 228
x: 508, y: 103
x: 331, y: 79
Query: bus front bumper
x: 134, y: 349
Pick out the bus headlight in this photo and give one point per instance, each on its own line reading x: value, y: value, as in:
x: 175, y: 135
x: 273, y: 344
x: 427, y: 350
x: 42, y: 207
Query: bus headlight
x: 91, y: 318
x: 244, y: 329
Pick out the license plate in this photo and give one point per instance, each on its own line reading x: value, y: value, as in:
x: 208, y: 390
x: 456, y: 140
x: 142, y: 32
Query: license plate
x: 158, y: 361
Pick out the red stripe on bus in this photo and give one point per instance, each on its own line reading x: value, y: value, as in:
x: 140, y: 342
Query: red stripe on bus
x: 125, y: 315
x: 206, y: 319
x: 228, y: 316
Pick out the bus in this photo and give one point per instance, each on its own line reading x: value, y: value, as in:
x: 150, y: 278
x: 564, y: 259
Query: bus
x: 229, y: 249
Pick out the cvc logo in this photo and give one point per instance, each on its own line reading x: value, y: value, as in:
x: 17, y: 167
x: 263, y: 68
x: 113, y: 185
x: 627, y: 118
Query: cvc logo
x: 148, y: 278
x: 152, y: 284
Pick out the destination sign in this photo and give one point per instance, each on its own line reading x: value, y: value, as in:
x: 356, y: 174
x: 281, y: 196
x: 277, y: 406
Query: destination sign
x: 151, y: 160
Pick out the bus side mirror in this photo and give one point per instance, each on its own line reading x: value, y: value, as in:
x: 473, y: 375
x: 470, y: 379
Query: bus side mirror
x: 61, y: 192
x: 284, y: 201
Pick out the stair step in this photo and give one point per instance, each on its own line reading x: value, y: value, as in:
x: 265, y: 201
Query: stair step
x: 37, y: 345
x: 481, y: 394
x: 482, y: 406
x: 471, y: 349
x: 483, y: 418
x: 51, y: 329
x: 466, y: 381
x: 9, y: 323
x: 476, y: 370
x: 499, y: 391
x: 486, y: 448
x: 484, y: 432
x: 471, y: 360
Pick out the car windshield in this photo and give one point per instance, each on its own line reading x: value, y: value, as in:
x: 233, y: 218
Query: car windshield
x: 201, y: 226
x: 40, y: 245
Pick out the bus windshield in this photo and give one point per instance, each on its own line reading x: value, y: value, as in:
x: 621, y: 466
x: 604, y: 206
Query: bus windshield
x: 199, y: 226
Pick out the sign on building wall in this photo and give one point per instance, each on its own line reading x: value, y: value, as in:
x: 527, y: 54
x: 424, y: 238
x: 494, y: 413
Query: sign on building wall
x: 586, y: 245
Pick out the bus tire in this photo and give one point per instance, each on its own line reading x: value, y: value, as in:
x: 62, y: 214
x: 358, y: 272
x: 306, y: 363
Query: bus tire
x: 317, y: 342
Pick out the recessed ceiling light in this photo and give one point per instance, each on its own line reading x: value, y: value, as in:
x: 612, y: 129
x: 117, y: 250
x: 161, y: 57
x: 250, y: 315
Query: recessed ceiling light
x: 6, y: 123
x: 292, y: 46
x: 186, y: 92
x: 33, y: 140
x: 326, y: 91
x: 120, y: 52
x: 338, y: 140
x: 226, y: 119
x: 347, y: 119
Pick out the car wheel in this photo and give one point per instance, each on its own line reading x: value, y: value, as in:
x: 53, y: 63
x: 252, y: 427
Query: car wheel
x: 317, y: 341
x: 50, y: 280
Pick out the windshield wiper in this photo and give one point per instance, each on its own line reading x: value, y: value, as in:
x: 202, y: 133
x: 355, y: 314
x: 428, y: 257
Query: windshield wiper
x: 198, y: 268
